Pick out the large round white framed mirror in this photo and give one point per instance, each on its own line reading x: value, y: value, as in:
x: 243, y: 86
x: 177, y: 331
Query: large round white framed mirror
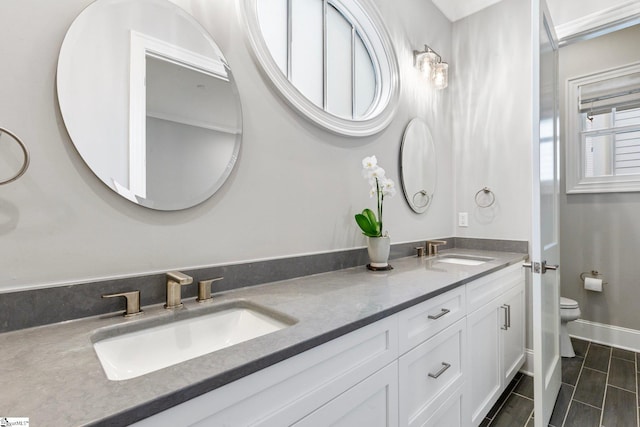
x: 149, y: 102
x: 418, y: 165
x: 331, y: 60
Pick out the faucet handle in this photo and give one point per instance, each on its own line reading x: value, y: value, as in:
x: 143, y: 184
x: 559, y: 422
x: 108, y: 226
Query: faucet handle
x: 180, y: 278
x: 432, y: 246
x: 204, y: 289
x: 133, y: 302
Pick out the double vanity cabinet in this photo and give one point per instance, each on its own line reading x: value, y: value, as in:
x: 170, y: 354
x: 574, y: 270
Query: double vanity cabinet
x: 442, y: 362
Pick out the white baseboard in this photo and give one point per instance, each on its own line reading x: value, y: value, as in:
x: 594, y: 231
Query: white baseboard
x: 616, y: 336
x: 527, y: 367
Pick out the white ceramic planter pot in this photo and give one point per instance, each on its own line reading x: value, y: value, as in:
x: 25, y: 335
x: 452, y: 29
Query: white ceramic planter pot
x: 378, y: 248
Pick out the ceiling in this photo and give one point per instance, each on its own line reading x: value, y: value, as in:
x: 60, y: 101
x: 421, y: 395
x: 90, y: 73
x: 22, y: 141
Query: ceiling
x: 572, y: 18
x: 458, y: 9
x: 562, y: 11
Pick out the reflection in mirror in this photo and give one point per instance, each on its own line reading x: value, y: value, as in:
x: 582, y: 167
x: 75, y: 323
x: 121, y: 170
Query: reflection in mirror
x: 155, y: 113
x: 322, y: 53
x: 418, y: 165
x: 332, y: 60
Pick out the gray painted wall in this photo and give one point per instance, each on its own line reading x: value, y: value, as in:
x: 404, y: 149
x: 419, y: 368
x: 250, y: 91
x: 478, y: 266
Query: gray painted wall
x: 491, y: 110
x: 491, y: 114
x: 294, y: 191
x: 601, y: 231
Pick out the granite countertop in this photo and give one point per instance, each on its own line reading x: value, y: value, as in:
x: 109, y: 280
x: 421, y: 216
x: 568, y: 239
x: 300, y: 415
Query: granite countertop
x: 52, y: 374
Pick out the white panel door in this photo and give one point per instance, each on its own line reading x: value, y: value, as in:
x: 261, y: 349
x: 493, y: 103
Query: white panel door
x: 545, y: 250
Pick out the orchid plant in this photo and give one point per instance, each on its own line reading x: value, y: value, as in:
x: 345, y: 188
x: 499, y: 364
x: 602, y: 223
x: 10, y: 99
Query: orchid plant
x: 381, y: 186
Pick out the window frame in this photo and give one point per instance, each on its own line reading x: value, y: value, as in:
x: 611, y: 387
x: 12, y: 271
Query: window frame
x: 365, y: 17
x: 576, y: 181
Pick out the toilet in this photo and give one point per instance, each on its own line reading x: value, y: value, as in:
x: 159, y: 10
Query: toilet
x: 569, y: 311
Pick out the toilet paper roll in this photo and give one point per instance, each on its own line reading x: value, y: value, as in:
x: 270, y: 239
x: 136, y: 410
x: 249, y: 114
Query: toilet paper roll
x: 593, y: 284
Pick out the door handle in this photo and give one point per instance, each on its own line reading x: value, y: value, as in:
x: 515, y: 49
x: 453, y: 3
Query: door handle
x: 540, y: 267
x: 546, y: 267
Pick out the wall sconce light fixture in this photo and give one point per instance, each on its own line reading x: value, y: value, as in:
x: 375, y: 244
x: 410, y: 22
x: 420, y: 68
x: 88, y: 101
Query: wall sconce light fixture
x: 431, y: 65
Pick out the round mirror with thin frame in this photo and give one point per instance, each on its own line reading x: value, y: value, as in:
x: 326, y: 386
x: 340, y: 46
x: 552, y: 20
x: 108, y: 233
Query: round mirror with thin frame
x: 418, y: 166
x: 150, y: 104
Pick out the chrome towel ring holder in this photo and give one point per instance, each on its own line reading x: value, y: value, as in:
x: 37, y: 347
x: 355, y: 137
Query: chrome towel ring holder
x: 25, y: 152
x: 488, y: 194
x: 424, y: 195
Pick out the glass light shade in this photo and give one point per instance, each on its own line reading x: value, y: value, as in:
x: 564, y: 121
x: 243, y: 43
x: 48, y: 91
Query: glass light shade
x: 440, y: 75
x: 426, y: 62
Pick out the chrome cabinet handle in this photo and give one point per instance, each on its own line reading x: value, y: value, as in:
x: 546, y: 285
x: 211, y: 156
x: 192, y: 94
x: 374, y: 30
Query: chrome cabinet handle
x: 508, y: 316
x: 506, y: 325
x: 439, y: 315
x: 445, y: 366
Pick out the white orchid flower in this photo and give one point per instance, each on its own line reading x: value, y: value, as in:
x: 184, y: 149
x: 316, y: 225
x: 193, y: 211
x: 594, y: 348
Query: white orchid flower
x: 381, y: 186
x: 388, y: 187
x: 373, y: 174
x: 369, y: 162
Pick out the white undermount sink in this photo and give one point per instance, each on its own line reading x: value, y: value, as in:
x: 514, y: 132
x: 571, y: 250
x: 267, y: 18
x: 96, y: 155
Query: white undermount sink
x: 152, y: 344
x: 463, y: 259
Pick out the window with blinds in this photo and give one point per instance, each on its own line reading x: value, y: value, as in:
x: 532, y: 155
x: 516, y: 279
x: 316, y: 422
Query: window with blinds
x: 603, y: 134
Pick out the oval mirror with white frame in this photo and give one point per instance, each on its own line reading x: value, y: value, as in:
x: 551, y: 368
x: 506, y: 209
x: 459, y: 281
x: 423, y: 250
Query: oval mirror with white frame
x: 332, y: 60
x: 418, y: 165
x: 149, y: 102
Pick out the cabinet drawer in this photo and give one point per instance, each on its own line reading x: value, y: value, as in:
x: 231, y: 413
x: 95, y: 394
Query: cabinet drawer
x: 450, y: 414
x: 371, y: 403
x: 422, y: 321
x: 430, y: 373
x: 483, y: 290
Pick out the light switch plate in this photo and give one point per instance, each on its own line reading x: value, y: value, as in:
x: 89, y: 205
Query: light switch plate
x: 463, y: 219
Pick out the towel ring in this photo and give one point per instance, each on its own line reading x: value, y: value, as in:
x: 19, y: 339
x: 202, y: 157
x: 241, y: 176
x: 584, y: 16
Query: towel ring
x: 424, y: 194
x: 487, y: 192
x: 25, y: 164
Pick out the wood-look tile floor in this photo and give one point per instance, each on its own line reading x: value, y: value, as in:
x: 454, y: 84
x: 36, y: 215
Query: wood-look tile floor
x: 599, y: 389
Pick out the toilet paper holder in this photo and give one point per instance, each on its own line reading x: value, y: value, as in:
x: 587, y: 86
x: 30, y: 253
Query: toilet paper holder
x: 592, y: 273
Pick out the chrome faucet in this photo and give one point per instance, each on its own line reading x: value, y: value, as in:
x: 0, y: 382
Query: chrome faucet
x: 432, y: 246
x: 175, y: 282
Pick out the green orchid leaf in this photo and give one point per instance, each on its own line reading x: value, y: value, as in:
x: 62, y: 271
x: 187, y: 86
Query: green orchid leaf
x: 364, y: 224
x: 374, y: 221
x: 368, y: 223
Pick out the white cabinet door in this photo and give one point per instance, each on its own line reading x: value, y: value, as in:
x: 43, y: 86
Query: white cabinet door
x: 371, y: 403
x: 513, y: 337
x: 483, y: 360
x: 496, y: 340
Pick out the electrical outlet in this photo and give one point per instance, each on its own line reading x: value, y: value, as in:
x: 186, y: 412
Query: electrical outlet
x: 463, y: 219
